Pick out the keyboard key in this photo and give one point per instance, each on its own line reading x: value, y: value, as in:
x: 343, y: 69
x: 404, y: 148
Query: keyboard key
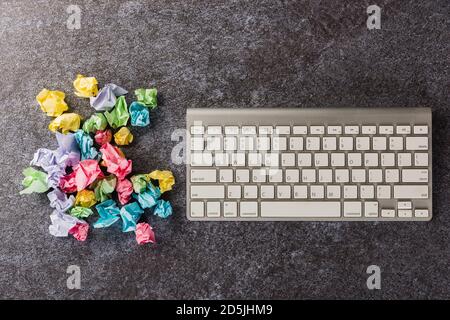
x: 207, y: 192
x: 404, y: 205
x: 358, y: 175
x: 416, y: 143
x: 334, y: 130
x: 279, y: 143
x: 375, y: 175
x: 305, y: 209
x: 250, y: 192
x: 197, y: 144
x: 421, y: 159
x: 197, y: 130
x: 421, y: 213
x: 304, y: 159
x: 207, y: 175
x: 379, y: 143
x: 312, y: 143
x: 283, y: 192
x: 354, y: 159
x: 333, y: 192
x: 248, y: 209
x: 248, y: 130
x: 338, y: 159
x: 369, y: 130
x: 403, y: 129
x: 308, y: 175
x: 396, y: 143
x: 317, y: 192
x: 388, y: 159
x: 197, y: 209
x: 296, y: 143
x: 404, y: 213
x: 362, y: 143
x: 371, y: 209
x: 386, y: 130
x: 292, y: 175
x: 226, y: 175
x: 383, y: 192
x: 415, y: 175
x: 230, y: 209
x: 232, y: 130
x: 300, y: 130
x: 367, y: 192
x: 233, y: 192
x: 321, y: 159
x: 230, y: 143
x: 265, y: 130
x: 275, y: 175
x: 317, y: 129
x: 345, y: 143
x: 352, y: 209
x: 329, y: 143
x: 213, y: 209
x: 420, y: 129
x: 214, y: 130
x: 262, y: 143
x: 392, y: 175
x: 242, y: 175
x: 300, y: 192
x: 213, y: 143
x: 259, y: 175
x: 342, y: 175
x: 404, y: 159
x: 201, y: 159
x: 271, y: 159
x: 254, y: 159
x: 350, y: 192
x: 283, y: 130
x: 288, y: 159
x: 238, y: 159
x: 371, y: 159
x: 268, y: 192
x: 221, y: 159
x: 388, y: 213
x: 246, y: 143
x: 351, y: 129
x: 325, y: 175
x: 411, y: 191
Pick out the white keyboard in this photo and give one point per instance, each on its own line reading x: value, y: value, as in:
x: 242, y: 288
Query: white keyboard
x: 309, y: 164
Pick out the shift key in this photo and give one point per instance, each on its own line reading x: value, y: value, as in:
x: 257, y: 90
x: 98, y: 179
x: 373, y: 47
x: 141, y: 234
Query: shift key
x: 411, y: 192
x: 207, y: 192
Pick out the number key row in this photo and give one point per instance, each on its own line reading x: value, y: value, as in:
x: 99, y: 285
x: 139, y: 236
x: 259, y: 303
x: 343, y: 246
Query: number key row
x: 249, y: 143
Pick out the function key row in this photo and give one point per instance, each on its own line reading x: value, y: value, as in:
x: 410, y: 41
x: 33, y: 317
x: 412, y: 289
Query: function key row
x: 313, y: 129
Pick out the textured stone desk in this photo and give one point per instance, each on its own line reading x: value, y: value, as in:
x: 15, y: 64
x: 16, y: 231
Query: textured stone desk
x: 221, y: 54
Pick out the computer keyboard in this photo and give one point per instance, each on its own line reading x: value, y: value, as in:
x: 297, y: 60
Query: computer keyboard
x: 309, y: 164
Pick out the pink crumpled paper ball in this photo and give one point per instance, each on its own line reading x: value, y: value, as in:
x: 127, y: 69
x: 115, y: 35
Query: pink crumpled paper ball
x: 144, y: 233
x: 80, y: 231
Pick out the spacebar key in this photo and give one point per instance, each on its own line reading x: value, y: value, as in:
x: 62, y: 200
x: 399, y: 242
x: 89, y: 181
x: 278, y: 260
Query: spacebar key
x: 301, y: 209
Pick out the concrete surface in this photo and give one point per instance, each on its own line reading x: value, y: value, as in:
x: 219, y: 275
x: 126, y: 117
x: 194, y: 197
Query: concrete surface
x: 222, y: 54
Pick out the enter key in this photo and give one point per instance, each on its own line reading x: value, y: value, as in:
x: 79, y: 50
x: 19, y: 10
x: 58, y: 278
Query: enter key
x: 415, y: 175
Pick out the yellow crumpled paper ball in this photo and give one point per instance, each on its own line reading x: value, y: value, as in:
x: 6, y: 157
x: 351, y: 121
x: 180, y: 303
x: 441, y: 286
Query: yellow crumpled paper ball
x: 52, y: 102
x: 85, y: 87
x: 123, y: 137
x: 66, y: 122
x: 165, y: 178
x: 85, y: 198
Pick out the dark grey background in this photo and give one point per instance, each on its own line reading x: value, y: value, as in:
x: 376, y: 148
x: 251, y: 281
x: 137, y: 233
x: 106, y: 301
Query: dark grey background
x: 221, y: 54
